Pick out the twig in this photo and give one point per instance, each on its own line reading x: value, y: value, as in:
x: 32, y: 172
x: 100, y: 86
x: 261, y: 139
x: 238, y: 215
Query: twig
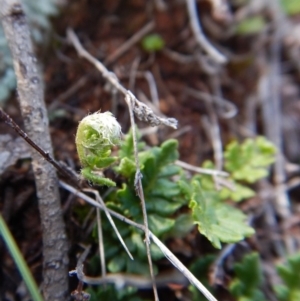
x: 178, y: 264
x: 225, y: 108
x: 99, y: 199
x: 216, y: 131
x: 79, y: 294
x: 141, y: 111
x: 213, y: 132
x: 218, y: 275
x: 178, y: 57
x: 101, y: 243
x: 9, y: 121
x: 130, y: 42
x: 31, y: 100
x: 168, y: 254
x: 133, y: 73
x: 199, y: 36
x: 271, y: 109
x: 153, y: 88
x: 123, y: 279
x: 139, y: 189
x: 204, y: 171
x: 273, y: 126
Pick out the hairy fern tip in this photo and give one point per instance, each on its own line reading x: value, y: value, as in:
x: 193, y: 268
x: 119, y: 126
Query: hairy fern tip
x: 96, y: 135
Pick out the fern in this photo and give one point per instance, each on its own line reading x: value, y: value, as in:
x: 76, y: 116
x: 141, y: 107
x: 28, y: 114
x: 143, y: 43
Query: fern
x: 96, y: 135
x: 246, y: 163
x: 248, y: 279
x: 250, y: 160
x: 216, y: 220
x: 289, y: 273
x: 163, y: 199
x: 167, y: 191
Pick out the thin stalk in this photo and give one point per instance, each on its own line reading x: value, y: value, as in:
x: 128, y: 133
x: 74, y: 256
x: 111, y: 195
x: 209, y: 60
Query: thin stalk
x: 19, y: 260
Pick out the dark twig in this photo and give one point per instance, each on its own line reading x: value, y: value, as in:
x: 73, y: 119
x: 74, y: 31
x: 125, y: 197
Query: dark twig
x: 79, y: 294
x: 9, y: 121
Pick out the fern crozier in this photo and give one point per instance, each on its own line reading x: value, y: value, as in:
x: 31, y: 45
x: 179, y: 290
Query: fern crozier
x: 96, y: 135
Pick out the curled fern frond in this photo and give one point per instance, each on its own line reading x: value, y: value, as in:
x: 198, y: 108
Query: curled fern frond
x: 96, y: 135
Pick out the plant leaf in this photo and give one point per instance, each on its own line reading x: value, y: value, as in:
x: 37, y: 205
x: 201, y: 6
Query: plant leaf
x: 217, y: 221
x: 246, y: 285
x: 251, y: 25
x: 289, y: 273
x: 249, y: 161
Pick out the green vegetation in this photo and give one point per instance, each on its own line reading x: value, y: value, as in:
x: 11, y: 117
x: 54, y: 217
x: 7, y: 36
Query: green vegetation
x: 289, y: 273
x: 19, y: 261
x: 96, y: 135
x: 168, y: 190
x: 153, y: 42
x: 251, y: 25
x: 291, y: 7
x: 246, y: 286
x: 248, y: 279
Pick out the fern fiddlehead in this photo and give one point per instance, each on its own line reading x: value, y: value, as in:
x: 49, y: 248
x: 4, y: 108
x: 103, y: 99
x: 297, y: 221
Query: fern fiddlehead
x: 96, y: 135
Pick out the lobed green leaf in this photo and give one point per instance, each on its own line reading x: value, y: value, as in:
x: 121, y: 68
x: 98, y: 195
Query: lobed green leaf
x: 248, y: 279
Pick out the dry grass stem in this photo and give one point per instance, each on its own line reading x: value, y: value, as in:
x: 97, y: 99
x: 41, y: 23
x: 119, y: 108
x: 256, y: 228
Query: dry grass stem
x: 168, y: 254
x: 202, y: 41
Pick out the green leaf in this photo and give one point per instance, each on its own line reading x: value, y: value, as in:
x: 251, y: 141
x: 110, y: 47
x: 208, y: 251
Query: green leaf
x: 164, y: 206
x: 156, y: 253
x: 139, y: 244
x: 185, y: 188
x: 126, y: 167
x: 246, y: 285
x: 291, y: 7
x: 249, y: 161
x: 138, y: 269
x: 127, y: 149
x: 160, y: 225
x: 216, y: 220
x: 100, y: 162
x: 164, y: 188
x: 289, y: 273
x: 239, y: 193
x: 149, y: 170
x: 252, y: 25
x: 168, y: 152
x: 117, y: 263
x: 129, y: 202
x: 184, y: 223
x: 96, y: 177
x: 153, y: 42
x: 169, y: 171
